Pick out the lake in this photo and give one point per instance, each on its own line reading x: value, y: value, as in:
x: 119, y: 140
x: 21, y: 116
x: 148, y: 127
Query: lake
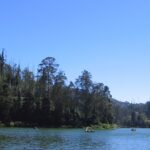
x: 73, y: 139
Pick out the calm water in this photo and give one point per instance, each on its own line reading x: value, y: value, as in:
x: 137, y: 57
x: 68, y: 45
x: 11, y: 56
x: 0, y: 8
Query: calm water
x: 73, y: 139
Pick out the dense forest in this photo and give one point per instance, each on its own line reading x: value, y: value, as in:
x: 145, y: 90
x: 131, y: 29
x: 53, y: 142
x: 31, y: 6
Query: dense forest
x: 46, y: 99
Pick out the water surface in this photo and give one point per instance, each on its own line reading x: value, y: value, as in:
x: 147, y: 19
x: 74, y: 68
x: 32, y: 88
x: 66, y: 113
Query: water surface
x: 73, y: 139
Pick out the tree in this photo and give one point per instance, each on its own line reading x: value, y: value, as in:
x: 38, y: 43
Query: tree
x: 2, y: 63
x: 28, y: 87
x: 28, y: 108
x: 28, y: 82
x: 84, y: 81
x: 58, y: 98
x: 147, y: 110
x: 101, y: 104
x: 84, y: 84
x: 46, y: 76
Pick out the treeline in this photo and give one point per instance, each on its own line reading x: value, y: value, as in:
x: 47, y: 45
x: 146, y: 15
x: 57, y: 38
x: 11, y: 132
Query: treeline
x: 131, y: 115
x: 46, y: 100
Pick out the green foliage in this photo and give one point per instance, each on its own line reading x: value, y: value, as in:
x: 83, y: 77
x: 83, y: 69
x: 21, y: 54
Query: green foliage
x: 103, y: 126
x: 46, y: 99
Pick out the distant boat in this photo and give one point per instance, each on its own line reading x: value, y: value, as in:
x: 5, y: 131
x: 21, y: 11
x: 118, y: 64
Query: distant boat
x: 35, y: 128
x: 89, y: 129
x: 133, y: 129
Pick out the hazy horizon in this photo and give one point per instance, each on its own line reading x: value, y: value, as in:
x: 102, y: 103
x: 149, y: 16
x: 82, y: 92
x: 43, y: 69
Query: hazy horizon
x: 108, y: 38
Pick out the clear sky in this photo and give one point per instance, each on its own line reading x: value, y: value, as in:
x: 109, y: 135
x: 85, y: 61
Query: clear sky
x: 109, y: 38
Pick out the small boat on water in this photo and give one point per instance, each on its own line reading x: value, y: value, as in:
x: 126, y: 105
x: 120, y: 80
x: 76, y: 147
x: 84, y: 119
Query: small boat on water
x: 133, y: 129
x: 89, y: 129
x: 36, y: 128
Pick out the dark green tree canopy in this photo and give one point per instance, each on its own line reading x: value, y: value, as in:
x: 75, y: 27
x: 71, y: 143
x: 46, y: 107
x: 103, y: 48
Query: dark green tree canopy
x: 47, y: 99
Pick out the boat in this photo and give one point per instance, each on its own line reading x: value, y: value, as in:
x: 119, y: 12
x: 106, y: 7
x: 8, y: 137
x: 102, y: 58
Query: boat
x: 133, y: 129
x: 89, y: 129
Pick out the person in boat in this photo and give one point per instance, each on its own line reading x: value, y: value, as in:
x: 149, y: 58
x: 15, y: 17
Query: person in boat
x: 133, y: 129
x: 89, y: 129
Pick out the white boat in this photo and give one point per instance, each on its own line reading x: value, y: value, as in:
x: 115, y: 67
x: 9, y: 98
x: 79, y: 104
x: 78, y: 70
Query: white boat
x: 89, y: 129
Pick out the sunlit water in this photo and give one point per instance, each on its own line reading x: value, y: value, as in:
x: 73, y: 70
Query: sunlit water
x: 73, y: 139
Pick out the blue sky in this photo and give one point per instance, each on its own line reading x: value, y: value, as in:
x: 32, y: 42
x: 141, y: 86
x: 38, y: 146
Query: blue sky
x: 109, y: 38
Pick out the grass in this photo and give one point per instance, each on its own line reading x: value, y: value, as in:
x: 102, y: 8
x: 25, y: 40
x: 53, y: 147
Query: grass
x: 104, y: 126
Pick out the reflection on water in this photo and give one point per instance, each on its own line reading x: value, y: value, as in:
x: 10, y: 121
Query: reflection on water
x: 73, y: 139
